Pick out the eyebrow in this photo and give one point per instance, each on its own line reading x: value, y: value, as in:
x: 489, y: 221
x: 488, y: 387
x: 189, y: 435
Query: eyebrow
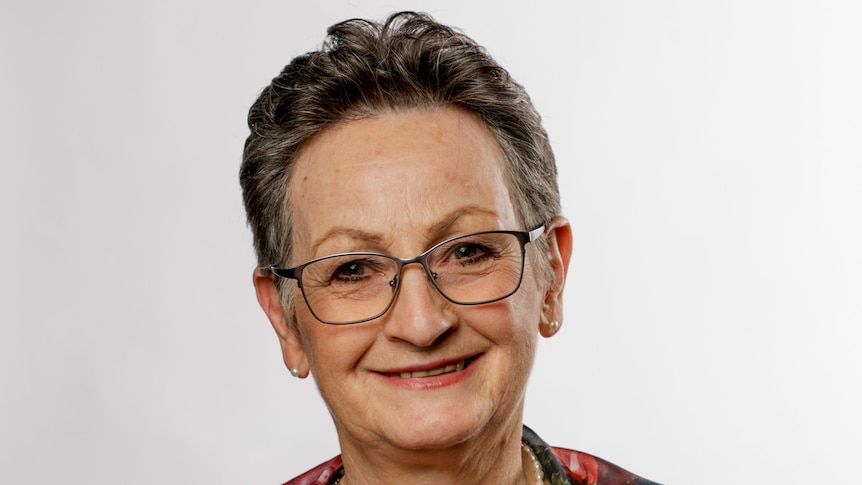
x: 439, y: 227
x: 347, y: 232
x: 453, y: 217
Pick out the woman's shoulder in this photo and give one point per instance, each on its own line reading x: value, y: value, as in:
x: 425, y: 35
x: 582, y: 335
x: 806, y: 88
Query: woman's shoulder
x: 584, y: 468
x: 322, y: 474
x: 565, y: 466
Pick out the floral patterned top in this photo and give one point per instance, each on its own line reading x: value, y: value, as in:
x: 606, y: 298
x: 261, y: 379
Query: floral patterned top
x: 561, y: 466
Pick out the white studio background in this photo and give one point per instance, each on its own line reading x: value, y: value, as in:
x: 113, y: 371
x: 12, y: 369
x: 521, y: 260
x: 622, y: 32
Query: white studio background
x: 710, y: 164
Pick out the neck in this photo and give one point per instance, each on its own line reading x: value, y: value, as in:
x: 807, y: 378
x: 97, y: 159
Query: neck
x: 475, y: 462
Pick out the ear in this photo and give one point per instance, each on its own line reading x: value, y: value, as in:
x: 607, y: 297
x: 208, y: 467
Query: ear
x: 559, y: 234
x: 291, y: 345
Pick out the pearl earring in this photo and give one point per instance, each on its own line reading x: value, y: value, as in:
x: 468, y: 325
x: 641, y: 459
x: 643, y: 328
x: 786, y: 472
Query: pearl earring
x: 294, y: 372
x: 555, y: 325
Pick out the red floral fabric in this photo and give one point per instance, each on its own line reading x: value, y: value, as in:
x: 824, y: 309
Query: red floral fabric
x: 561, y: 466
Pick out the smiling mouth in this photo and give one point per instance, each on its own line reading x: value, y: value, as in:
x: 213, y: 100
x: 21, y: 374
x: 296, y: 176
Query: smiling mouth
x: 456, y: 367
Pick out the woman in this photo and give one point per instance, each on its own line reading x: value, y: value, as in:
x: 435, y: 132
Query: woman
x: 403, y: 199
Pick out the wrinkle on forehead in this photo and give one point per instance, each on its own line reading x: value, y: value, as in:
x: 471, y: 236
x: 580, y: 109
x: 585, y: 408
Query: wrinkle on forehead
x: 397, y: 174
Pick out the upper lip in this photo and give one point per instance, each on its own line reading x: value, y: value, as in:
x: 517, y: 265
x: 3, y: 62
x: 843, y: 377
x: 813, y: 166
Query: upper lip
x: 428, y: 365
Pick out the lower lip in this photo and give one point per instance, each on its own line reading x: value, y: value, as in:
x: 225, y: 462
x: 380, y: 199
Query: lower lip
x: 431, y: 382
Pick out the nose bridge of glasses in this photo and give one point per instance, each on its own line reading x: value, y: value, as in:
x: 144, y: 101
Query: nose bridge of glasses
x: 416, y: 288
x: 421, y: 260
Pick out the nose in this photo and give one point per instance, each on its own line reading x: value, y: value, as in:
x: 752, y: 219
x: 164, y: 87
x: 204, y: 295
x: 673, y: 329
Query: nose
x: 420, y: 315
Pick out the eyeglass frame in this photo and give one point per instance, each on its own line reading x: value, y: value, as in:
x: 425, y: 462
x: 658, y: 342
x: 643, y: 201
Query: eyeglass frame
x: 295, y: 273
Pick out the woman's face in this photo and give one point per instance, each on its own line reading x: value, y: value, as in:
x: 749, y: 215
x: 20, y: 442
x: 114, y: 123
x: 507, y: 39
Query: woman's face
x: 398, y: 183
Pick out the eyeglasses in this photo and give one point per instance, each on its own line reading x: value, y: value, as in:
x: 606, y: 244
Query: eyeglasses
x: 355, y: 287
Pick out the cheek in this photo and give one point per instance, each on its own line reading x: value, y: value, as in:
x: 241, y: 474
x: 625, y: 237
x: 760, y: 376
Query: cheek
x: 513, y: 322
x: 333, y: 348
x: 524, y: 314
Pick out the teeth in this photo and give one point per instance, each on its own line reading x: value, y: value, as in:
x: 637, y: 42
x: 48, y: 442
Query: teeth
x: 434, y: 372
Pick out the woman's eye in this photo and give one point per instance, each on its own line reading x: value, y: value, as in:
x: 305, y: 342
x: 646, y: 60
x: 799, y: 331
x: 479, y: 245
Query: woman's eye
x: 469, y: 251
x: 351, y: 270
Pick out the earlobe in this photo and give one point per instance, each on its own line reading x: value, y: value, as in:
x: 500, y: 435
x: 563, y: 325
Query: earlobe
x: 559, y: 253
x: 291, y: 345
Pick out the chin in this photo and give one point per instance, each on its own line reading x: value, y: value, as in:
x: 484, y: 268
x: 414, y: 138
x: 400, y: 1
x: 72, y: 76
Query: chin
x: 441, y: 428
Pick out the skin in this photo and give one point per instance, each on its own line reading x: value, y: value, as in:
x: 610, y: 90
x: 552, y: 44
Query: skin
x: 397, y: 183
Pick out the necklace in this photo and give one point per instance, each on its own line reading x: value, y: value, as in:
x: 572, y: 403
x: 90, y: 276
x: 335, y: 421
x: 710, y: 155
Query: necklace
x: 534, y: 460
x: 539, y: 473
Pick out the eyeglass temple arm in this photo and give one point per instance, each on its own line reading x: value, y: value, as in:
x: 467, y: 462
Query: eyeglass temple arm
x: 536, y: 233
x: 266, y: 271
x: 274, y: 272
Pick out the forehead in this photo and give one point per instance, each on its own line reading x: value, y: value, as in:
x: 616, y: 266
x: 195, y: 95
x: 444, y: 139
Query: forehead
x: 399, y: 174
